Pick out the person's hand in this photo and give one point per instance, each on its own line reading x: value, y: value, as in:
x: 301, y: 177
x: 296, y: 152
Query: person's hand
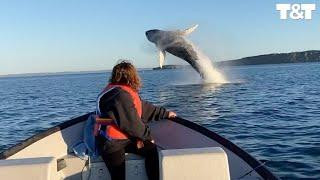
x: 140, y: 144
x: 172, y: 114
x: 152, y: 141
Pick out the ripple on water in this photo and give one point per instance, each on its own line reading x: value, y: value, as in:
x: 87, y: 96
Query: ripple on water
x: 273, y: 113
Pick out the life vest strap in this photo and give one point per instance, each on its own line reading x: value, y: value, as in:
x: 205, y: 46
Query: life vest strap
x: 104, y: 121
x: 109, y: 128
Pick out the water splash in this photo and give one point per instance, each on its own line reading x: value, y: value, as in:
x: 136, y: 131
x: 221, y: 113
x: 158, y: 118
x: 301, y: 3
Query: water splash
x: 210, y: 73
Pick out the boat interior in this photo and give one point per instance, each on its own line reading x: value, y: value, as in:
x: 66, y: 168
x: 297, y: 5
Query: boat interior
x: 184, y: 153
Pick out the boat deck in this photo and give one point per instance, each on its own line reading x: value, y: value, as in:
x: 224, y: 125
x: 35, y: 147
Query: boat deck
x: 177, y: 140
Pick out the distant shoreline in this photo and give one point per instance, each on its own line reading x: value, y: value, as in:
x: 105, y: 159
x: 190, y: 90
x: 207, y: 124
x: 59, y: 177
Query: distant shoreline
x: 53, y: 73
x: 275, y: 58
x: 171, y: 67
x: 61, y: 73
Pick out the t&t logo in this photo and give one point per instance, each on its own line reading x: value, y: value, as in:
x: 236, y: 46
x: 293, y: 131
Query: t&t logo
x: 296, y: 11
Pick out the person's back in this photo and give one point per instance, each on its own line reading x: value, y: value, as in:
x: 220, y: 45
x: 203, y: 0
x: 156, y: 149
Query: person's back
x: 121, y: 122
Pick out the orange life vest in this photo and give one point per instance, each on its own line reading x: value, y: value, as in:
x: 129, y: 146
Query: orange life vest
x: 108, y: 126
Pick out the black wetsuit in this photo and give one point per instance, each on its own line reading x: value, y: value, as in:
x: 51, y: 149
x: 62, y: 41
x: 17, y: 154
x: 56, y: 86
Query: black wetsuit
x: 118, y: 105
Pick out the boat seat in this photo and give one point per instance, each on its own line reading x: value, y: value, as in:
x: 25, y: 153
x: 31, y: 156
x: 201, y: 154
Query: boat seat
x: 29, y: 168
x: 77, y: 168
x: 195, y: 163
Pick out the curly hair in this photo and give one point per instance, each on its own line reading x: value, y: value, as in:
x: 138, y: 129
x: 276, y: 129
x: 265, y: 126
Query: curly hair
x: 125, y: 73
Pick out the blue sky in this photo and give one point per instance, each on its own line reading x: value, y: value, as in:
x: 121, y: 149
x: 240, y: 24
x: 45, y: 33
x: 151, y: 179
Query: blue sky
x: 76, y: 35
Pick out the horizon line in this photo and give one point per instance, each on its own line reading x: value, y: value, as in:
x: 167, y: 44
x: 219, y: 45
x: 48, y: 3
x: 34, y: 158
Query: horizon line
x: 30, y: 74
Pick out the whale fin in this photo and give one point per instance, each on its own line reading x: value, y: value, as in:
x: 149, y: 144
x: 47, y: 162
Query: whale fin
x: 189, y: 30
x: 162, y: 56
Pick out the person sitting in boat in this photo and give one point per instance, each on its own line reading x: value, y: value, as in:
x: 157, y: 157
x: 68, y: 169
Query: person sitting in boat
x: 121, y: 122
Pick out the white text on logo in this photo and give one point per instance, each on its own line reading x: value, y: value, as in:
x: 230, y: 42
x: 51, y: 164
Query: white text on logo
x: 296, y: 11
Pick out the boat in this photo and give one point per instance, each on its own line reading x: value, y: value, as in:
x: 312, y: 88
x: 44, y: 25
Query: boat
x: 186, y: 151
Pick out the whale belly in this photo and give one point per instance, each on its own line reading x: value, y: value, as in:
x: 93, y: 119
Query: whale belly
x: 184, y: 52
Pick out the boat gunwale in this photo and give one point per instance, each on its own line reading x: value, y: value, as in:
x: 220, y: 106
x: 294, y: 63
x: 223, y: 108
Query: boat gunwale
x: 255, y: 164
x: 27, y: 142
x: 262, y: 170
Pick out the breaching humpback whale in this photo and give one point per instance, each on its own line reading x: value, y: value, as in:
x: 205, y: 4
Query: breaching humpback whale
x: 175, y: 43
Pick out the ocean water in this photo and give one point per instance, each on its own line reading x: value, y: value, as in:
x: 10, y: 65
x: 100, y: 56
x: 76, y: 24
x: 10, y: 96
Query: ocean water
x: 271, y: 111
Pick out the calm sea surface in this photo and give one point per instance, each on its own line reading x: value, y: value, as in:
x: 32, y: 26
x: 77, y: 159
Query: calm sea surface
x: 271, y: 111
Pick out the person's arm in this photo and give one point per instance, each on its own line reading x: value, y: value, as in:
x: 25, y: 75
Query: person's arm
x: 151, y: 112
